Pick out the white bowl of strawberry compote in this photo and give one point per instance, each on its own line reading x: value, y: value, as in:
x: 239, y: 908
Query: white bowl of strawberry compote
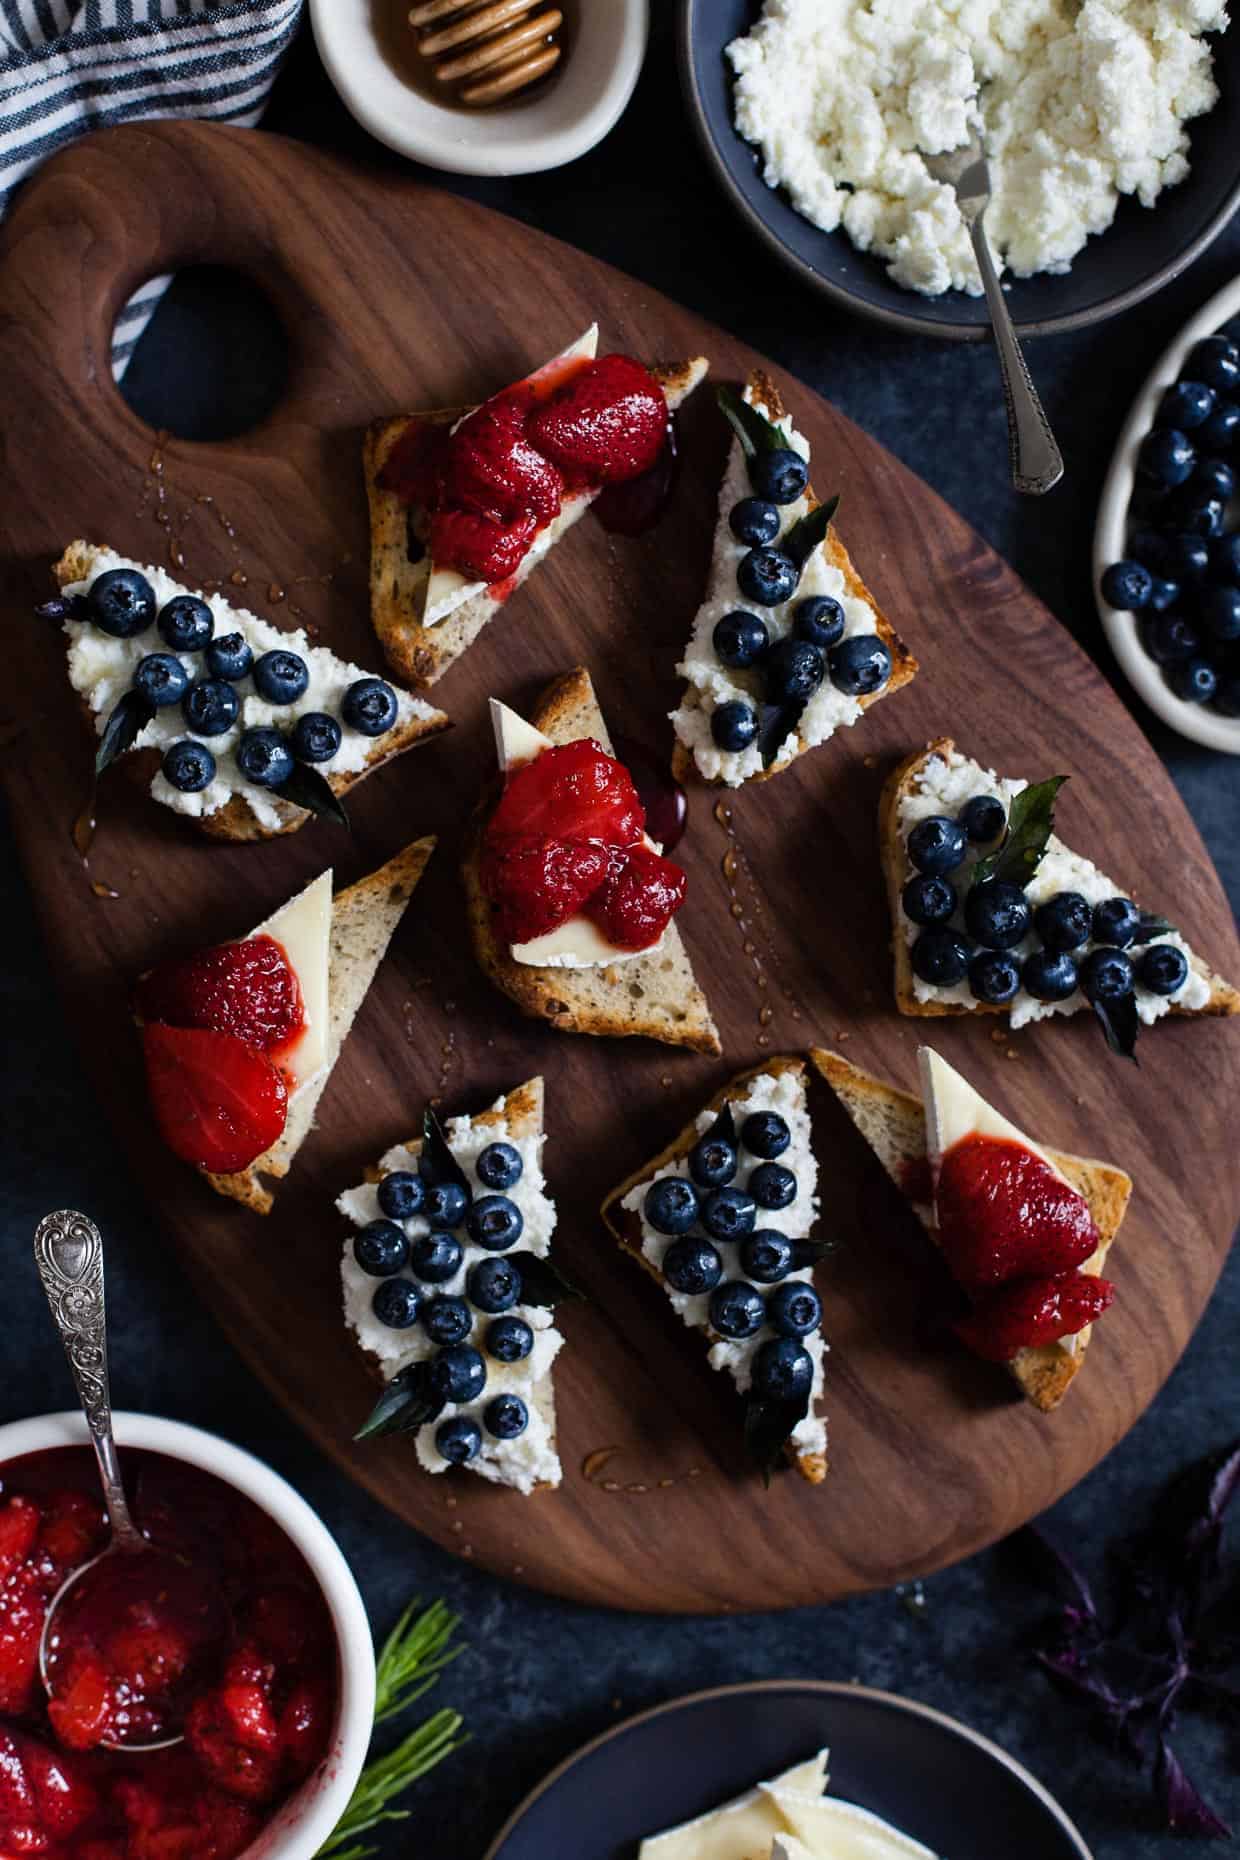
x: 277, y: 1716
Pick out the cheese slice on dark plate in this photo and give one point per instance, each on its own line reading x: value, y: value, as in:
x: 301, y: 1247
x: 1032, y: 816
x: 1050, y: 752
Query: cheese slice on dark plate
x: 955, y: 1109
x: 303, y: 929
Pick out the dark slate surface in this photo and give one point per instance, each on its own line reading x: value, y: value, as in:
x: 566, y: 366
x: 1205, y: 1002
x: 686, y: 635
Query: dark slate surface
x: 540, y: 1676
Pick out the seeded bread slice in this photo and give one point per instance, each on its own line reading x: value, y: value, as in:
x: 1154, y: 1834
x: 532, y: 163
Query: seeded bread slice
x: 655, y: 996
x: 399, y: 565
x: 364, y: 920
x: 236, y: 820
x: 1224, y: 999
x: 765, y: 395
x: 893, y: 1123
x: 625, y: 1227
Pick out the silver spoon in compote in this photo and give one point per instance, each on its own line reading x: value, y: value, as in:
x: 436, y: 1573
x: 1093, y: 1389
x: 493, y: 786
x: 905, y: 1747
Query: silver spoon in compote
x: 171, y: 1611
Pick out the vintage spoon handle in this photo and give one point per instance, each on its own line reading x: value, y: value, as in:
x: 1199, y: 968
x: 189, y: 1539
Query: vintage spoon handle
x: 1036, y: 461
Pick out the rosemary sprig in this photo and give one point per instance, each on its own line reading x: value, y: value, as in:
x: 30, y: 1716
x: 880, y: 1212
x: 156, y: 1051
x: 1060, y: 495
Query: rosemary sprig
x: 412, y: 1658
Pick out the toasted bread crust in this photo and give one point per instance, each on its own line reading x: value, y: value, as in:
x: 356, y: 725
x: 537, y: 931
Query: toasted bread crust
x: 625, y: 1228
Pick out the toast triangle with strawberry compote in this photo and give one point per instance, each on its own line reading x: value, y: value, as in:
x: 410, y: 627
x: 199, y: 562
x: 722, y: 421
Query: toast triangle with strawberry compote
x: 244, y: 716
x: 775, y: 666
x: 947, y: 828
x: 425, y: 612
x: 691, y: 1218
x: 419, y: 1286
x: 897, y: 1128
x: 237, y: 1054
x: 577, y: 978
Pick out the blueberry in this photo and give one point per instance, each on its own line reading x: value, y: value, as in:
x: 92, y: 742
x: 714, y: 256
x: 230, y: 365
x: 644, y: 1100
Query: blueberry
x: 773, y: 1186
x: 928, y: 900
x: 1219, y: 609
x: 1225, y: 558
x: 783, y: 1370
x: 1186, y: 405
x: 765, y: 1134
x: 458, y: 1440
x: 937, y: 845
x: 729, y: 1214
x: 1127, y: 585
x: 780, y: 475
x: 1166, y: 457
x: 1064, y: 921
x: 766, y: 1256
x: 436, y: 1258
x: 445, y: 1204
x: 400, y: 1194
x: 740, y: 639
x: 186, y: 623
x: 767, y: 576
x: 1168, y: 638
x: 1222, y: 429
x: 264, y: 757
x: 1216, y: 361
x: 1227, y: 697
x: 1186, y: 559
x: 997, y: 914
x: 397, y: 1303
x: 754, y: 521
x: 161, y: 677
x: 1049, y: 975
x: 447, y: 1320
x: 495, y: 1222
x: 994, y: 977
x: 1163, y: 594
x: 210, y: 707
x: 794, y: 1308
x: 1115, y: 921
x: 712, y: 1162
x: 983, y: 818
x: 231, y: 657
x: 733, y: 725
x: 281, y: 676
x: 940, y: 956
x: 1162, y: 968
x: 380, y: 1248
x: 793, y: 671
x: 1216, y: 478
x: 692, y: 1266
x: 457, y: 1374
x: 494, y: 1285
x: 370, y: 706
x: 671, y: 1205
x: 506, y: 1417
x: 1198, y: 513
x: 859, y: 665
x: 189, y: 767
x: 736, y: 1309
x: 1106, y: 975
x: 316, y: 737
x: 121, y: 602
x: 499, y: 1166
x: 819, y: 619
x: 1194, y: 680
x: 509, y: 1340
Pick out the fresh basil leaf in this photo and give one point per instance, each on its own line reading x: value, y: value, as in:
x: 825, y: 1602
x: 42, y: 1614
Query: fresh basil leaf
x: 776, y: 723
x: 405, y: 1405
x: 755, y: 432
x: 723, y: 1130
x: 541, y: 1283
x: 436, y: 1163
x: 307, y: 788
x: 1031, y: 820
x: 123, y: 728
x: 809, y: 1252
x: 1119, y: 1022
x: 1150, y: 926
x: 767, y: 1427
x: 807, y: 532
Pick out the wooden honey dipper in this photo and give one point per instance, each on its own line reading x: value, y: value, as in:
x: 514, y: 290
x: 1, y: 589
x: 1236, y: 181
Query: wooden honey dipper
x: 489, y: 48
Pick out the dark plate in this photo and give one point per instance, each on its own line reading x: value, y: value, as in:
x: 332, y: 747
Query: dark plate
x: 1142, y: 251
x: 928, y: 1775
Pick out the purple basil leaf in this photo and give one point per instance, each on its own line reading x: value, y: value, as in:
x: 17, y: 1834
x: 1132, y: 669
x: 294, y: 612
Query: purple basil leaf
x: 1074, y: 1672
x: 1187, y: 1811
x: 1078, y: 1599
x: 1205, y: 1533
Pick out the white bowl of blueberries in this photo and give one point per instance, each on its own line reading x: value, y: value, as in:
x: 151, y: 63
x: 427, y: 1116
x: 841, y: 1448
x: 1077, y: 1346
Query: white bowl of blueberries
x: 1167, y: 542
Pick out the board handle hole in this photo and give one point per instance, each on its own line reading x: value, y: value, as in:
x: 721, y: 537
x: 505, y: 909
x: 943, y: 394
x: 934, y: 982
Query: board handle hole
x: 213, y: 361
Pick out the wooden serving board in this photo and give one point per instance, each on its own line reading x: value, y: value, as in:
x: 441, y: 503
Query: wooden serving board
x: 397, y: 297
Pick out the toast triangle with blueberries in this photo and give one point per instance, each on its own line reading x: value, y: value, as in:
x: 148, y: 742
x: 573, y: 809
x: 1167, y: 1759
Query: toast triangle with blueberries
x: 782, y: 734
x: 364, y: 919
x: 653, y: 996
x: 420, y: 651
x: 893, y: 1123
x: 780, y: 1080
x: 249, y: 812
x: 1203, y: 992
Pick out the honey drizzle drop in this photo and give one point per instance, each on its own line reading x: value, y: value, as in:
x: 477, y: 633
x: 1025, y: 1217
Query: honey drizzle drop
x: 752, y: 917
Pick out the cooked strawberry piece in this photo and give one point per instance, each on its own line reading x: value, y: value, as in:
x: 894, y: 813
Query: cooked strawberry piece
x: 237, y: 1768
x: 573, y: 791
x: 22, y: 1608
x: 284, y: 1627
x: 19, y: 1528
x: 479, y: 547
x: 81, y: 1713
x: 245, y: 988
x: 229, y: 1826
x: 149, y: 1656
x: 1032, y: 1312
x: 44, y: 1798
x: 538, y: 884
x: 247, y: 1709
x: 72, y: 1529
x: 1004, y: 1214
x: 491, y: 467
x: 414, y: 465
x: 608, y: 423
x: 218, y: 1101
x: 638, y: 900
x: 304, y: 1725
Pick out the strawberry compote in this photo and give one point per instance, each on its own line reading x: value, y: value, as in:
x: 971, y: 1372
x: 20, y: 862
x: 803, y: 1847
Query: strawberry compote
x: 259, y: 1690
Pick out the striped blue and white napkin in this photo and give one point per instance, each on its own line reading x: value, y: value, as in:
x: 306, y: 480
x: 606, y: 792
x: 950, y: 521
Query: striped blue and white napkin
x: 67, y: 66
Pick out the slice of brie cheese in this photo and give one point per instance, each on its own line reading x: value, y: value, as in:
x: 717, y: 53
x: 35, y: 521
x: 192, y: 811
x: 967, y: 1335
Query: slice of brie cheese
x: 303, y: 927
x: 445, y: 589
x: 516, y: 741
x: 955, y: 1110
